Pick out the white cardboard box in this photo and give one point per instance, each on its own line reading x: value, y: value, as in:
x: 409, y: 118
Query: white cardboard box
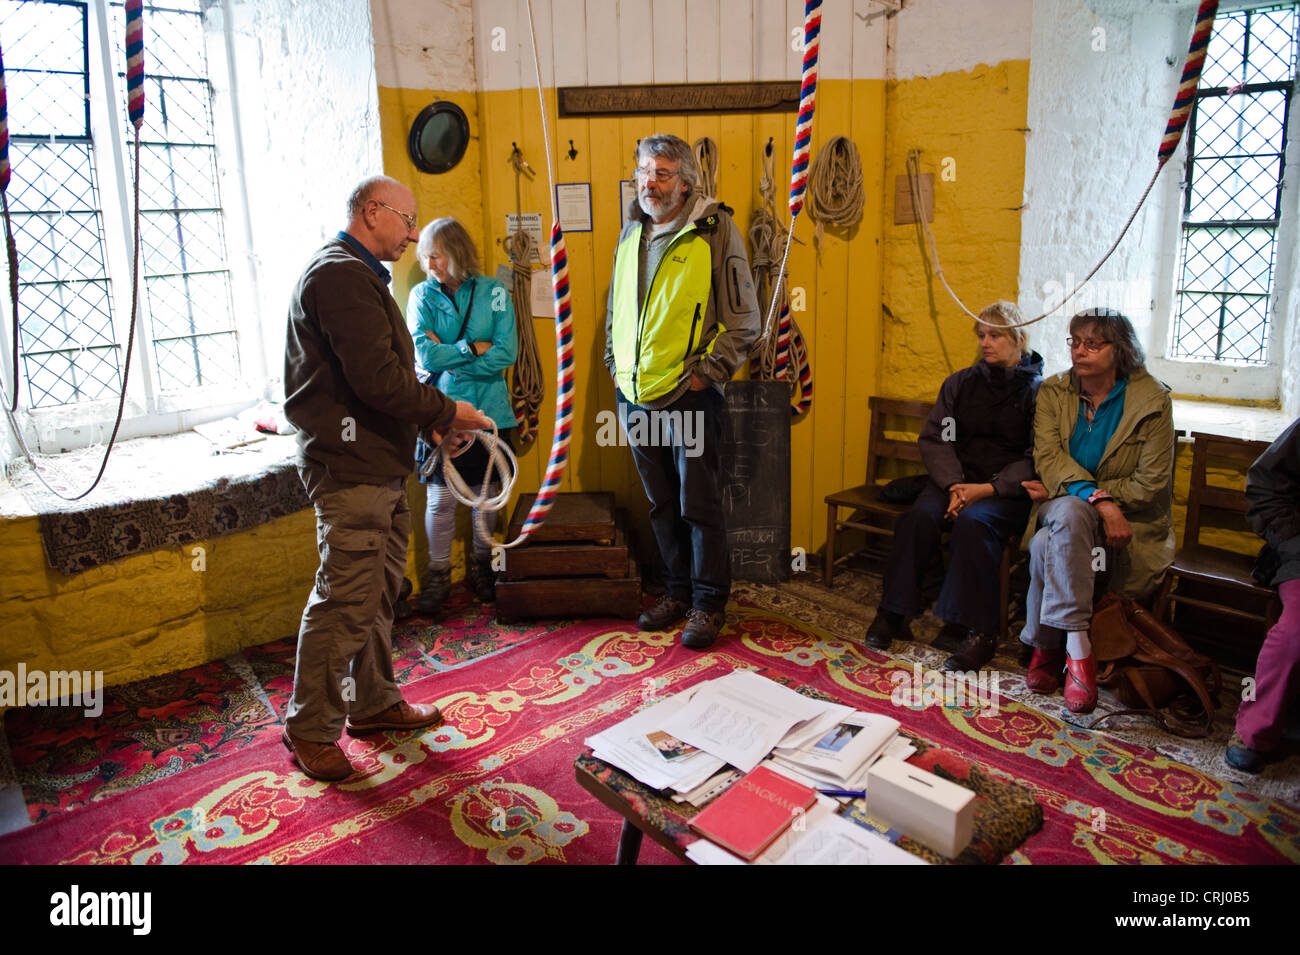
x: 931, y: 810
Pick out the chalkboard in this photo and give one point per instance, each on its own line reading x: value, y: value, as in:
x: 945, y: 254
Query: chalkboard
x: 756, y: 479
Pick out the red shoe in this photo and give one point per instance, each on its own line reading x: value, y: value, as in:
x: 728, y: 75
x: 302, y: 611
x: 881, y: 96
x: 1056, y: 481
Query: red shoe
x: 1045, y: 668
x: 1081, y: 684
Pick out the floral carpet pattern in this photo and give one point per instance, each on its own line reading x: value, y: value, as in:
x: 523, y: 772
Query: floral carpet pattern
x: 188, y: 769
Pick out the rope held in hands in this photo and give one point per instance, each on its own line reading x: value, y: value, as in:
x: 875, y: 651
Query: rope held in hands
x: 1182, y: 108
x: 135, y: 112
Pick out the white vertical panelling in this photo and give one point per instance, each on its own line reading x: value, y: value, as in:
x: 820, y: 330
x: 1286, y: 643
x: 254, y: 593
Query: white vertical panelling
x: 835, y: 56
x: 542, y: 23
x: 666, y: 34
x: 794, y: 21
x: 869, y: 36
x: 602, y: 43
x: 570, y: 32
x: 770, y: 40
x: 496, y: 22
x: 702, y: 55
x: 635, y: 47
x: 735, y: 41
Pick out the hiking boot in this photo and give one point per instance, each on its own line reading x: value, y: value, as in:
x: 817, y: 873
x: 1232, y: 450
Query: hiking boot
x: 701, y: 628
x: 403, y: 609
x: 665, y: 612
x: 435, y: 586
x: 976, y: 650
x: 482, y: 579
x: 1240, y: 756
x: 884, y: 630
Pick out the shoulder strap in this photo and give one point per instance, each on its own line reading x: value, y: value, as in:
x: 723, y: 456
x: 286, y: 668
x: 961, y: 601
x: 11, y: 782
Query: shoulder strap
x: 469, y: 310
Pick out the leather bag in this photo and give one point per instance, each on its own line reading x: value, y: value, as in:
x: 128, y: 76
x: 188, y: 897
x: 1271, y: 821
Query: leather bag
x: 1151, y: 669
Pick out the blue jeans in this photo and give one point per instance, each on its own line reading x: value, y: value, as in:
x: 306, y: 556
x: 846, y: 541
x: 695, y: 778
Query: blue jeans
x: 969, y: 596
x: 1062, y: 554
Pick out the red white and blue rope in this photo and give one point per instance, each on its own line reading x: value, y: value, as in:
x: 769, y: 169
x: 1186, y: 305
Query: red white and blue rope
x: 135, y: 63
x: 564, y: 382
x: 800, y: 163
x: 802, y: 160
x: 1191, y: 80
x: 1184, y: 100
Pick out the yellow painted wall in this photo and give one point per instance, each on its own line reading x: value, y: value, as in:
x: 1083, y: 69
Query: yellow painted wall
x: 157, y: 612
x: 976, y: 118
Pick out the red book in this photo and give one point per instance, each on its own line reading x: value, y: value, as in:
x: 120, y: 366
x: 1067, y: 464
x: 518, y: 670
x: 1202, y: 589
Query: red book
x: 748, y: 817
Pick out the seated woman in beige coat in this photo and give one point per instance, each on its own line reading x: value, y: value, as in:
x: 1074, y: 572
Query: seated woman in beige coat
x: 1104, y: 452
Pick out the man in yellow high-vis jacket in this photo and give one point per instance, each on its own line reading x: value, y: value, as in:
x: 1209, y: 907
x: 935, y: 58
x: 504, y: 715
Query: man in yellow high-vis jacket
x: 682, y: 315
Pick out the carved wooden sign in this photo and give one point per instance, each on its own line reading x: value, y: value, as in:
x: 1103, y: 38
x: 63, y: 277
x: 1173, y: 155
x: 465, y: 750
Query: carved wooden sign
x: 773, y: 97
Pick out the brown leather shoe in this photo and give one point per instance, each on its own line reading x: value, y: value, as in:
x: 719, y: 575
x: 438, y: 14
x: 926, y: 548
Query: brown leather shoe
x: 318, y: 760
x: 399, y: 716
x: 701, y: 628
x: 665, y: 612
x: 976, y: 650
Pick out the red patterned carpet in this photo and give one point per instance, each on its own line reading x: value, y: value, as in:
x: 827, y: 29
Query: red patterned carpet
x: 495, y: 784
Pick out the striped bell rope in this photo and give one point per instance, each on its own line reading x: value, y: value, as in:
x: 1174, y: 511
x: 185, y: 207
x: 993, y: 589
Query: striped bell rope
x: 1191, y: 80
x: 812, y: 25
x: 563, y: 390
x: 135, y: 63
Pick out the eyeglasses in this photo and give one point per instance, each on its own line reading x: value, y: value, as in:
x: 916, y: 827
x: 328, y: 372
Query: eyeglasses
x: 661, y: 176
x: 409, y: 220
x: 1090, y: 345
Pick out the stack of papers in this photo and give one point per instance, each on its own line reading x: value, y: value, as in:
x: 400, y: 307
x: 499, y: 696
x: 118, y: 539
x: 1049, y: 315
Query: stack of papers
x: 837, y: 750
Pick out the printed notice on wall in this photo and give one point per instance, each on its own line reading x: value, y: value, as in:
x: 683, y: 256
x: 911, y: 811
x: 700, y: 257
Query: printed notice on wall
x: 530, y: 222
x: 574, y: 202
x: 543, y: 297
x: 626, y: 196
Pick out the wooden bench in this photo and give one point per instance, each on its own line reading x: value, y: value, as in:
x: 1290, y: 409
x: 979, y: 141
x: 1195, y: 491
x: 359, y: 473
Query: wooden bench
x: 878, y: 515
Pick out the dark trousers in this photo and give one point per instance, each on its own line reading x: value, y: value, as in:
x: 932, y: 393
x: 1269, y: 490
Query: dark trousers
x: 970, y: 587
x: 679, y: 461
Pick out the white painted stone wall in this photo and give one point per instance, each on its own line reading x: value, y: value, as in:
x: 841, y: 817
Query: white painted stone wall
x: 424, y: 44
x: 942, y: 36
x: 1102, y: 78
x: 309, y: 128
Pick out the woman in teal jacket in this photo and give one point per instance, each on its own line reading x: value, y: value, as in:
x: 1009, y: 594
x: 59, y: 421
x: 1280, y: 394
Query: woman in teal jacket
x: 463, y: 325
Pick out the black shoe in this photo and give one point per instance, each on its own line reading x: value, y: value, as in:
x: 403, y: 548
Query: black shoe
x: 950, y: 638
x: 884, y: 630
x: 665, y: 612
x: 482, y: 579
x: 403, y: 609
x: 976, y: 650
x: 701, y: 628
x: 1240, y: 756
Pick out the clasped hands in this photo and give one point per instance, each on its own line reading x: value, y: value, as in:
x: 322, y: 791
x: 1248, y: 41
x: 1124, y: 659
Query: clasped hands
x: 961, y: 496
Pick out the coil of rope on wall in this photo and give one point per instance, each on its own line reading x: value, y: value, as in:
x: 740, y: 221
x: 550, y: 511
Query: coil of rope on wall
x: 527, y: 389
x: 835, y: 196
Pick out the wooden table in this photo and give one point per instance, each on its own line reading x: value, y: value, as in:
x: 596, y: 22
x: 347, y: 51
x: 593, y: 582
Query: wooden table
x: 1005, y: 814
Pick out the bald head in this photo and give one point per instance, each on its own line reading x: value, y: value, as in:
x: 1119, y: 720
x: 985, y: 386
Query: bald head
x: 382, y: 217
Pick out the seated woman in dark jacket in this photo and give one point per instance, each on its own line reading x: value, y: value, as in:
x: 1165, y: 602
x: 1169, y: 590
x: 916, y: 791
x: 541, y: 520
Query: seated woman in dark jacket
x: 1273, y: 510
x: 977, y: 447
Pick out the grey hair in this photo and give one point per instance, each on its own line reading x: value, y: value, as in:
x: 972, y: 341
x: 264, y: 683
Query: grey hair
x: 1114, y: 327
x: 1005, y: 313
x: 454, y: 242
x: 674, y: 149
x: 365, y: 191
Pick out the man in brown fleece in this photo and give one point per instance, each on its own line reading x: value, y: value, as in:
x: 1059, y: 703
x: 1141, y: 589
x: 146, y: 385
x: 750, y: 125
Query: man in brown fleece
x: 351, y: 391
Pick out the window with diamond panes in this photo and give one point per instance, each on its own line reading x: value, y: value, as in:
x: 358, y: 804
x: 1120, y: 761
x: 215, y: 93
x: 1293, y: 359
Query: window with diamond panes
x: 183, y: 249
x: 67, y: 348
x: 1232, y: 200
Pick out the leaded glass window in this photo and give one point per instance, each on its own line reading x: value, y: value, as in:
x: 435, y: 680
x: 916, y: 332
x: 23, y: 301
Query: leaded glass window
x: 1233, y: 193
